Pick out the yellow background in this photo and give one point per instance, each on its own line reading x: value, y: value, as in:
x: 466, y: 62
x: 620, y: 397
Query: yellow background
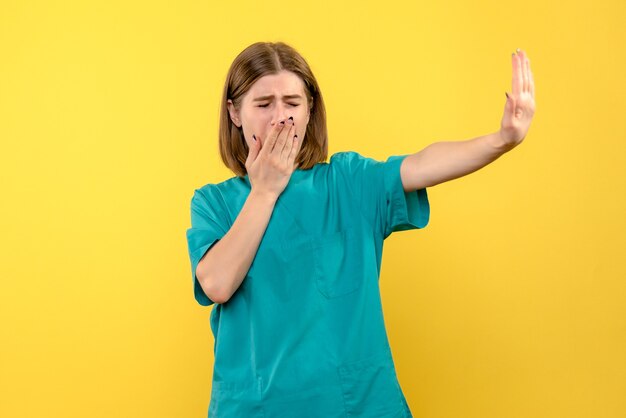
x: 511, y: 303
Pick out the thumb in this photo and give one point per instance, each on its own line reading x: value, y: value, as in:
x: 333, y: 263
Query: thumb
x: 510, y: 104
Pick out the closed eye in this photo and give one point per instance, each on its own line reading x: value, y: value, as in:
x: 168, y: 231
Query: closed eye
x: 290, y: 104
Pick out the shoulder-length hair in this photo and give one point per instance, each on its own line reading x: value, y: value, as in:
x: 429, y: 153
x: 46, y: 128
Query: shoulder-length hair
x: 254, y: 62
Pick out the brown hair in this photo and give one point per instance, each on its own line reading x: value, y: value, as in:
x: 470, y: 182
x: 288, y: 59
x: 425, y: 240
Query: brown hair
x: 254, y: 62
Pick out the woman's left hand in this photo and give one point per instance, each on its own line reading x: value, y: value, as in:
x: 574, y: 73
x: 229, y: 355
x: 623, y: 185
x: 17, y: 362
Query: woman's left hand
x: 520, y: 105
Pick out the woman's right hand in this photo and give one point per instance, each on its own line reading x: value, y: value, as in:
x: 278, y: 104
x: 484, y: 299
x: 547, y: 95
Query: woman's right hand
x: 270, y: 167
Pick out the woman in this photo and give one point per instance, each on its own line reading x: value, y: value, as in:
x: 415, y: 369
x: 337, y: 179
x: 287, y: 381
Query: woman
x: 290, y: 249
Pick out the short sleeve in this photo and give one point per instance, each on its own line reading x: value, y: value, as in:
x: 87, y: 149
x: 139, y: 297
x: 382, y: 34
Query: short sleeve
x: 207, y: 227
x: 377, y: 188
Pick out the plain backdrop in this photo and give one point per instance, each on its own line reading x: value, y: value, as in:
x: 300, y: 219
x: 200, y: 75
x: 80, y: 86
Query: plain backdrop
x: 510, y: 303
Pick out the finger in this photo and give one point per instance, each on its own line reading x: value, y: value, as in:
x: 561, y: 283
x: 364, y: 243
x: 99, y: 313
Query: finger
x: 284, y: 156
x: 526, y: 86
x: 518, y: 82
x: 270, y: 141
x: 253, y: 151
x: 531, y: 81
x: 295, y: 149
x: 280, y: 140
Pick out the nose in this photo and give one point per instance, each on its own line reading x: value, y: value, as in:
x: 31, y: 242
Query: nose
x: 281, y: 113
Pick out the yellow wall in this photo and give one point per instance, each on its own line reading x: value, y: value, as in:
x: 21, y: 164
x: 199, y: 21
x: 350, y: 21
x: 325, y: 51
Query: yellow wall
x: 511, y: 303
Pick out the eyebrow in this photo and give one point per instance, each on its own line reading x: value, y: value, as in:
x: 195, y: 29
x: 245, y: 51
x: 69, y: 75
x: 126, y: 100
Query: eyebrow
x: 288, y: 96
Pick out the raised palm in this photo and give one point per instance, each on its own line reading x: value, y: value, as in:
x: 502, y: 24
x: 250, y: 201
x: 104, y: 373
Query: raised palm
x: 520, y: 104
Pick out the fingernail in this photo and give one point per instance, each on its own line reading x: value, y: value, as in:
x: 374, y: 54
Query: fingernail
x: 507, y: 96
x: 295, y: 137
x: 254, y: 136
x: 290, y: 117
x: 282, y: 122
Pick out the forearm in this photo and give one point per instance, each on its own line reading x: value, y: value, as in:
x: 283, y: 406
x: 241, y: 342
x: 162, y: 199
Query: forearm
x: 223, y: 268
x: 447, y: 160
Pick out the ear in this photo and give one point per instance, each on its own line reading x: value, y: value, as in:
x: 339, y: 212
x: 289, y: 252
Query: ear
x: 234, y: 114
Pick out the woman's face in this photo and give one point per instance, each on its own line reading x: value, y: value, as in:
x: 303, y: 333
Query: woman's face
x: 272, y: 98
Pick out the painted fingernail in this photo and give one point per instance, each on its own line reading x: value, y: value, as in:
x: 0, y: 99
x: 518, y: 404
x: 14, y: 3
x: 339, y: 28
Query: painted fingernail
x: 282, y: 122
x: 295, y: 137
x: 290, y: 117
x: 254, y: 136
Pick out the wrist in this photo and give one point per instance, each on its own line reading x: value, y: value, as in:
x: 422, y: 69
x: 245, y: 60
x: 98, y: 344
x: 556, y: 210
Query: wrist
x: 499, y: 143
x: 263, y: 196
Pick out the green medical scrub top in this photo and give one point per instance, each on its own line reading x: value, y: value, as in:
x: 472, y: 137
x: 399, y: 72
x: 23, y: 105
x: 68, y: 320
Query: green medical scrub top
x: 303, y: 335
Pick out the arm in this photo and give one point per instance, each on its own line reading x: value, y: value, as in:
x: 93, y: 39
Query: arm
x: 443, y: 161
x: 446, y: 160
x: 222, y: 269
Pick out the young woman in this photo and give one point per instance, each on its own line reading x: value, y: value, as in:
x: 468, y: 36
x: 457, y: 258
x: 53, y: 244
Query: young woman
x: 290, y: 249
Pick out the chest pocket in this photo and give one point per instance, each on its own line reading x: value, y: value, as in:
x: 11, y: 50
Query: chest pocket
x: 339, y: 262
